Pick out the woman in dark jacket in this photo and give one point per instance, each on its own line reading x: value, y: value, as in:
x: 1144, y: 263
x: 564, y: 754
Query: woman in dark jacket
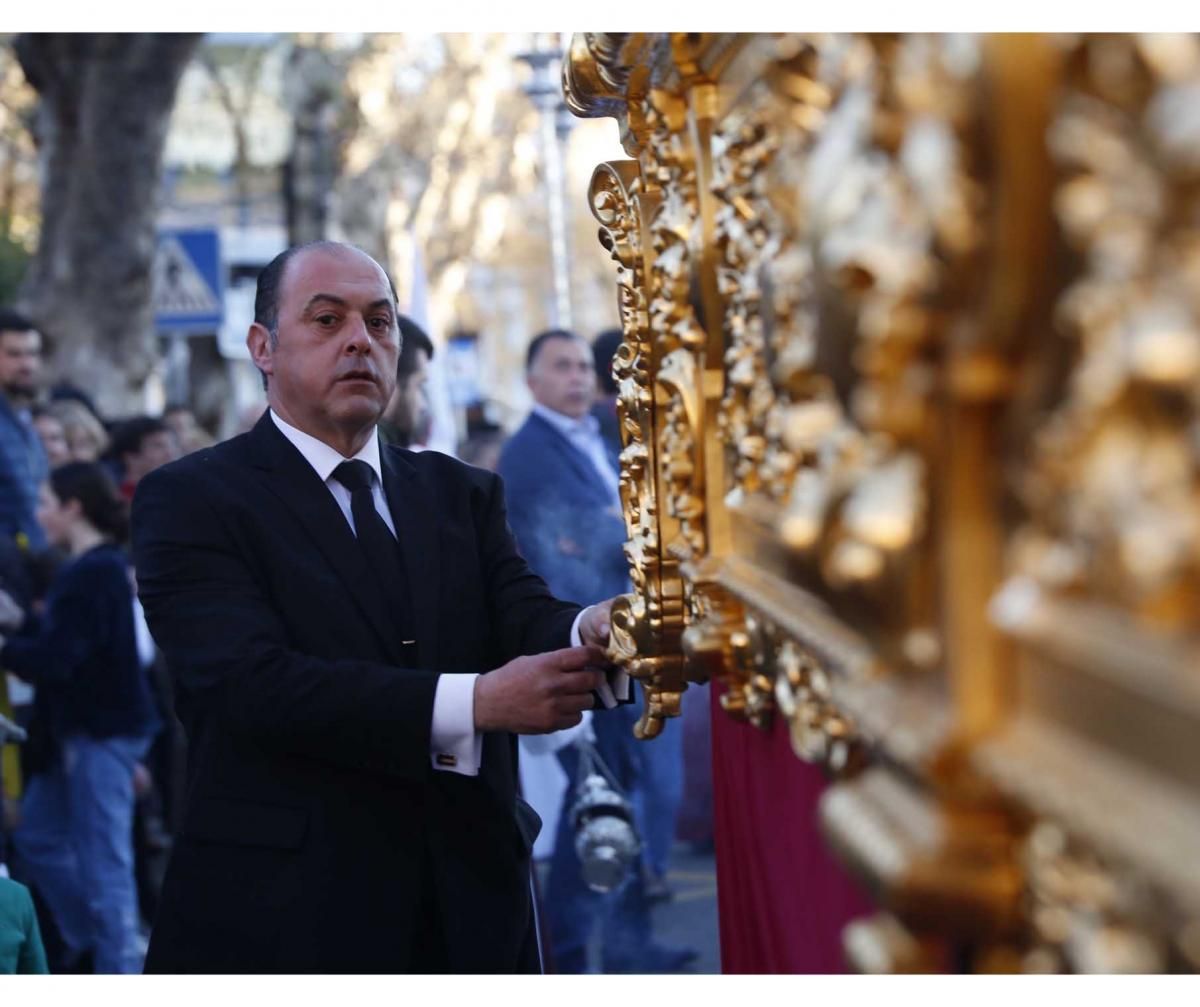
x: 74, y: 840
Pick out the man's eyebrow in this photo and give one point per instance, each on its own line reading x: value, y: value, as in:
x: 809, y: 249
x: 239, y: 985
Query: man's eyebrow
x: 331, y: 298
x: 341, y: 302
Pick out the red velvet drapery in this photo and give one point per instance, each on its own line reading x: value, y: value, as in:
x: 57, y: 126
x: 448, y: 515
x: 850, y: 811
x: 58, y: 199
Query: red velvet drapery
x: 783, y: 899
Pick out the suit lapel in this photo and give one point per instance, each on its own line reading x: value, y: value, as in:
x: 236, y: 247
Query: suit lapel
x: 417, y: 531
x: 579, y: 463
x: 294, y: 481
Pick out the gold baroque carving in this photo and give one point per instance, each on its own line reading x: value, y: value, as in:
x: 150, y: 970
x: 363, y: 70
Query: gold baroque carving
x: 669, y: 163
x: 658, y: 408
x: 830, y: 286
x: 679, y: 449
x: 646, y: 623
x: 893, y: 353
x: 594, y: 77
x: 1085, y: 917
x: 1115, y: 476
x: 937, y: 867
x: 766, y: 673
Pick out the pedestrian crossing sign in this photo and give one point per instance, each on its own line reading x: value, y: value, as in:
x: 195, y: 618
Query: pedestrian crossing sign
x: 186, y: 286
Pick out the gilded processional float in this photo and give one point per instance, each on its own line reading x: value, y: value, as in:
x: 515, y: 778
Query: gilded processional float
x: 910, y: 406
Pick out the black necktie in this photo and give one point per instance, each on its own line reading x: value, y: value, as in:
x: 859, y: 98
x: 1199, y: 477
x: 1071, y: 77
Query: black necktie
x: 381, y: 550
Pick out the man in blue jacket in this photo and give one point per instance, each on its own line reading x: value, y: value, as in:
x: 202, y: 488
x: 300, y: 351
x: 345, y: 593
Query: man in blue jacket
x: 561, y: 479
x: 23, y: 466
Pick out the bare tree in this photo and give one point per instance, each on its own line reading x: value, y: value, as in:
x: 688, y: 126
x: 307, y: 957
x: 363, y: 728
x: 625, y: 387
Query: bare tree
x: 446, y: 160
x: 18, y: 172
x: 105, y: 102
x: 236, y: 76
x: 324, y: 118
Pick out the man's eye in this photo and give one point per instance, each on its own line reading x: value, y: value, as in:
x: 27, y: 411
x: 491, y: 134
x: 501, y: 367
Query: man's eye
x: 381, y: 324
x: 326, y: 319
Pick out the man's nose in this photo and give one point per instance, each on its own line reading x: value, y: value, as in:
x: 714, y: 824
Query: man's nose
x: 358, y: 340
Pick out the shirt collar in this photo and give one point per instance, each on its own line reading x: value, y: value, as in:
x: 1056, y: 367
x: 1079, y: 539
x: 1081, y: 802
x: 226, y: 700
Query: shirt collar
x: 567, y: 425
x: 325, y: 459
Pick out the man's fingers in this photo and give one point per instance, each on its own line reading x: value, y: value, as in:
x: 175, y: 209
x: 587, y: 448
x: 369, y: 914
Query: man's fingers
x: 573, y: 658
x: 577, y: 683
x: 600, y: 617
x: 575, y: 703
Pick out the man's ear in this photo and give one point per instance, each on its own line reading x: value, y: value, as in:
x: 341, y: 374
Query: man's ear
x: 258, y: 342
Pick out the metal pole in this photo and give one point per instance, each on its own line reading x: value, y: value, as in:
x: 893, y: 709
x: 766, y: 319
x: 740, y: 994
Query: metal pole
x: 558, y: 222
x: 178, y: 360
x: 546, y: 94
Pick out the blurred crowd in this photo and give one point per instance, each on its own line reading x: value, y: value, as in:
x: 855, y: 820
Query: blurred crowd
x: 93, y: 794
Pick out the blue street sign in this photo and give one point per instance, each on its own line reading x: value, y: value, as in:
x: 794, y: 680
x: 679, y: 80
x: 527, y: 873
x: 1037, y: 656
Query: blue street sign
x: 187, y: 281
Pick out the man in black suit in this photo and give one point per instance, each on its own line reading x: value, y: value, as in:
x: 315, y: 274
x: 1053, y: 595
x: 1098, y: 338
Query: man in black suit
x: 327, y: 605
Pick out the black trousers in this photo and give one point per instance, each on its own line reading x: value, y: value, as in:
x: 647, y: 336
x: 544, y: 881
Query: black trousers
x: 430, y: 955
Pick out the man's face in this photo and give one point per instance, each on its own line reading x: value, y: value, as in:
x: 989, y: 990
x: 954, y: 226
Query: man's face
x: 410, y: 403
x: 157, y: 449
x: 20, y: 362
x: 563, y: 378
x: 334, y: 366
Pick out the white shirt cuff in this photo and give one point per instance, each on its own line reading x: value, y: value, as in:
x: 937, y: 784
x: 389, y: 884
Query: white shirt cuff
x: 576, y: 636
x: 455, y: 746
x: 616, y: 688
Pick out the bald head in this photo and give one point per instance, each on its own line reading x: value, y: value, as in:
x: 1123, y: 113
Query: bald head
x: 326, y: 339
x: 272, y: 278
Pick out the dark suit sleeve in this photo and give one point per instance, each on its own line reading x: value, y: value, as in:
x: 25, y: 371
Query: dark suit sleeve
x: 528, y: 618
x: 76, y: 626
x: 230, y: 655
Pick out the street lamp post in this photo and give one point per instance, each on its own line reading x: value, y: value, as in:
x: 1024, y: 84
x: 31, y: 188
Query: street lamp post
x: 554, y: 125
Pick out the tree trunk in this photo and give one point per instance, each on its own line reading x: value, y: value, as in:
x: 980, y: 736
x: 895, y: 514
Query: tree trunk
x: 102, y: 122
x: 311, y: 169
x: 8, y: 193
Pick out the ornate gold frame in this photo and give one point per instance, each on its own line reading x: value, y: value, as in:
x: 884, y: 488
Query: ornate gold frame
x: 909, y: 399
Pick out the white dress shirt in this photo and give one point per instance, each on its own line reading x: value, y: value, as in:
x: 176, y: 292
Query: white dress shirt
x: 584, y: 434
x: 455, y: 745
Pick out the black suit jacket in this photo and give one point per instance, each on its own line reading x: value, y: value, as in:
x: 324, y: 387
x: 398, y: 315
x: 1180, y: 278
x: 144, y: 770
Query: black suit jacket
x: 315, y: 825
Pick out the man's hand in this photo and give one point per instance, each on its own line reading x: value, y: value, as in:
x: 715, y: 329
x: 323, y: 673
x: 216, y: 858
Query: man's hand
x: 595, y: 624
x: 540, y: 693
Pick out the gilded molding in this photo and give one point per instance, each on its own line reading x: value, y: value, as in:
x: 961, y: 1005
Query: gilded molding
x: 1112, y: 484
x: 647, y: 623
x: 908, y: 397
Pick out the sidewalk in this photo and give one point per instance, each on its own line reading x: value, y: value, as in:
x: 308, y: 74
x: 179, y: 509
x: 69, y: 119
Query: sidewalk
x: 690, y: 918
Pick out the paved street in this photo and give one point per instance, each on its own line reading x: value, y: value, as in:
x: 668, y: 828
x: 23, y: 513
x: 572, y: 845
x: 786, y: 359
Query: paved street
x: 690, y: 918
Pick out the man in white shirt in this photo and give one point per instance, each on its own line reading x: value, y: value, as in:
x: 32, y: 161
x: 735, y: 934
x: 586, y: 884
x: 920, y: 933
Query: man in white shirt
x: 327, y: 607
x: 561, y: 484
